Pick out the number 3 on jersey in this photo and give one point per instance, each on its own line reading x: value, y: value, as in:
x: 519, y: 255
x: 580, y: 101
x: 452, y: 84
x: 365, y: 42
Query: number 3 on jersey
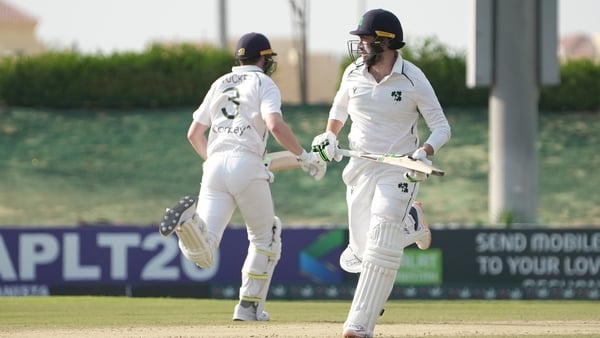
x: 233, y: 96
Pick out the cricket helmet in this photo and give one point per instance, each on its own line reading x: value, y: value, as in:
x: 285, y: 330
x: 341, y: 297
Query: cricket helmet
x: 381, y: 24
x: 253, y: 45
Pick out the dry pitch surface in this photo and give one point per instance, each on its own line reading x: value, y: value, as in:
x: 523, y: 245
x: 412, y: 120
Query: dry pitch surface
x: 134, y: 317
x: 476, y: 329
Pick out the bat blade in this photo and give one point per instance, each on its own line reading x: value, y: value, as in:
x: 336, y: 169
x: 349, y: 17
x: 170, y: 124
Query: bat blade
x: 281, y: 160
x: 398, y: 160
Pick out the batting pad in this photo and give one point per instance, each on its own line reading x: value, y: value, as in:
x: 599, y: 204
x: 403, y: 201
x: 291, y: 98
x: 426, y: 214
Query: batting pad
x: 193, y: 242
x: 258, y: 269
x: 381, y: 261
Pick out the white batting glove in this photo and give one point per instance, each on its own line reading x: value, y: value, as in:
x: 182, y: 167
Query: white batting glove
x: 325, y: 146
x: 417, y: 176
x: 271, y: 178
x: 311, y: 163
x: 419, y: 154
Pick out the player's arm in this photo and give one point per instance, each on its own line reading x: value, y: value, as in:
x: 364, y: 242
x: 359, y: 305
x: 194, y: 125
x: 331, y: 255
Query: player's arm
x: 433, y: 114
x: 283, y: 134
x: 334, y: 126
x: 326, y: 144
x: 429, y: 151
x: 197, y: 137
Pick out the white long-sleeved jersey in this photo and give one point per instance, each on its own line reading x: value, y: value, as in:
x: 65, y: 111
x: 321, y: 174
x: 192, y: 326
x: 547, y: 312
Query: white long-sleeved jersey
x: 384, y: 115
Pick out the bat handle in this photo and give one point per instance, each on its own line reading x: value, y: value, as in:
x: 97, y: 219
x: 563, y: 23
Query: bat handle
x: 345, y: 152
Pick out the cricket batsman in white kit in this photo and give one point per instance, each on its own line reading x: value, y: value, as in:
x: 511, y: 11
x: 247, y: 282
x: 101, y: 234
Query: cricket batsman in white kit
x: 240, y: 109
x: 384, y: 96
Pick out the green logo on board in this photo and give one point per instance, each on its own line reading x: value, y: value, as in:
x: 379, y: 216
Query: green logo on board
x: 420, y: 267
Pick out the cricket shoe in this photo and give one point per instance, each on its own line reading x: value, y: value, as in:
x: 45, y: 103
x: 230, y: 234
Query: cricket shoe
x: 177, y: 215
x: 349, y: 262
x: 422, y: 232
x: 355, y: 331
x: 248, y: 313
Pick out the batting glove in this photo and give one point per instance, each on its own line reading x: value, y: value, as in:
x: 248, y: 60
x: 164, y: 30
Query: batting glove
x: 416, y: 176
x: 419, y: 154
x: 310, y: 163
x: 271, y: 178
x: 325, y: 146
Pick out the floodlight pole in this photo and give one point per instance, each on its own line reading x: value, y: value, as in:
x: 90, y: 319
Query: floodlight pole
x: 513, y: 115
x: 223, y: 24
x: 300, y: 13
x: 514, y: 52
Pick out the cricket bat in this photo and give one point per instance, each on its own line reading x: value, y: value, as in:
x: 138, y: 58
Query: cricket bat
x: 393, y: 159
x: 281, y: 160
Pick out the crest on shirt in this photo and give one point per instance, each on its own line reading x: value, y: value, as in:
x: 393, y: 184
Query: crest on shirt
x: 397, y: 95
x: 403, y: 187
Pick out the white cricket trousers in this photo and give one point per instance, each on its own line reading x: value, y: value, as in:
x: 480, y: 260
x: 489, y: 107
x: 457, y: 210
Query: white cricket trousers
x: 239, y: 179
x: 376, y: 193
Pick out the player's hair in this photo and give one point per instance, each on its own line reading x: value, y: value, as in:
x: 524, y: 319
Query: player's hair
x: 248, y: 61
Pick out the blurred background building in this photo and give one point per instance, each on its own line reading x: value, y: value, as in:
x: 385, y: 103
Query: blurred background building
x: 17, y: 32
x: 323, y: 70
x: 579, y: 46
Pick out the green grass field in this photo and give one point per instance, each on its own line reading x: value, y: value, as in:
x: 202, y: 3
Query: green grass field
x: 65, y: 169
x: 166, y: 317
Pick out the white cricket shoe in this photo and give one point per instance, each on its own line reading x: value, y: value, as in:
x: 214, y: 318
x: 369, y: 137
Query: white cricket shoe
x: 349, y: 262
x: 423, y: 239
x: 243, y: 313
x: 177, y: 215
x: 354, y: 331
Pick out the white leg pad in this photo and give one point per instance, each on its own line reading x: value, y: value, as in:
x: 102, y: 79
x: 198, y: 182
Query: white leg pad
x: 381, y: 261
x: 194, y: 242
x: 258, y: 270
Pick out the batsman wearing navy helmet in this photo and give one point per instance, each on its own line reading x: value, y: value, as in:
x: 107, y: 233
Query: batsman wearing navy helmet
x: 239, y: 111
x: 384, y: 96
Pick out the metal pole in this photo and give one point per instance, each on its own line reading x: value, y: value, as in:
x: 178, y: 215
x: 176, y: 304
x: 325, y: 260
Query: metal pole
x: 300, y: 13
x: 304, y: 55
x: 223, y: 24
x: 513, y: 184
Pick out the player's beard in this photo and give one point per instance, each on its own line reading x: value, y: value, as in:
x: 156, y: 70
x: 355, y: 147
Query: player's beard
x: 369, y: 55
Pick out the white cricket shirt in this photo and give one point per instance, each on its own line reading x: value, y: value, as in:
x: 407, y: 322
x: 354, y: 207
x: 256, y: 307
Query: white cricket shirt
x: 384, y: 115
x: 235, y: 107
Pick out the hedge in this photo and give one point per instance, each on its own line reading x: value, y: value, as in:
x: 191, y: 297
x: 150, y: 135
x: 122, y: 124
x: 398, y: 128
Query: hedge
x: 181, y: 75
x: 158, y: 77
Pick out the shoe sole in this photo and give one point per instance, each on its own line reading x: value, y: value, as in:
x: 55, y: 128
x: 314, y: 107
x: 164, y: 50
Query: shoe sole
x: 425, y: 242
x: 349, y: 334
x: 172, y: 215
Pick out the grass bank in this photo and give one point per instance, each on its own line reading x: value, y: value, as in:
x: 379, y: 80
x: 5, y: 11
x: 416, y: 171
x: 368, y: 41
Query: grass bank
x: 108, y: 167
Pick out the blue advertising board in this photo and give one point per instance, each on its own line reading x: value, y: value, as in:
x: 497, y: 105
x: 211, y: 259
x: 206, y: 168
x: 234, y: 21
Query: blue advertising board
x: 140, y: 255
x: 461, y: 264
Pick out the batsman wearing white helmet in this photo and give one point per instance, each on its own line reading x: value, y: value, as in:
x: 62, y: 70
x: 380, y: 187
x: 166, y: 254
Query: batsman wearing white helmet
x: 239, y: 111
x: 383, y: 95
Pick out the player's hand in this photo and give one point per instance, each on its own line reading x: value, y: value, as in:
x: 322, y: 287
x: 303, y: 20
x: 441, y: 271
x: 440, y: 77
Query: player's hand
x: 325, y: 146
x: 419, y: 154
x: 271, y: 178
x: 417, y: 176
x: 311, y: 163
